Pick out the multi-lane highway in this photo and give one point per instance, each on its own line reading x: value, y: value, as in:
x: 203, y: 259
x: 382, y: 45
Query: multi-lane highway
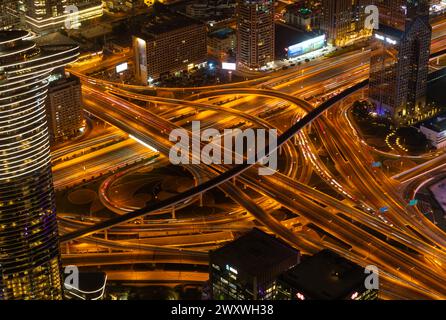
x: 360, y: 238
x: 404, y: 245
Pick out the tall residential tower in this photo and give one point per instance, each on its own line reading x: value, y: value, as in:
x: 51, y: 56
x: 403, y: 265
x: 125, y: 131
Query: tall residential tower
x: 255, y: 33
x: 9, y: 14
x: 343, y: 20
x: 29, y: 246
x: 44, y: 16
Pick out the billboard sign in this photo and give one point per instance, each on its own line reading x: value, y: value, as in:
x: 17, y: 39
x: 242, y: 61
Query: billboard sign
x: 228, y: 66
x: 306, y: 46
x: 122, y: 67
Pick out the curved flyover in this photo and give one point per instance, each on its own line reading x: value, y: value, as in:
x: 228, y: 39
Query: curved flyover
x: 224, y: 177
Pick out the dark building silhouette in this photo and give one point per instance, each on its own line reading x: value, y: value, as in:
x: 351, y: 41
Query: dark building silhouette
x: 399, y: 66
x: 246, y: 268
x: 324, y: 276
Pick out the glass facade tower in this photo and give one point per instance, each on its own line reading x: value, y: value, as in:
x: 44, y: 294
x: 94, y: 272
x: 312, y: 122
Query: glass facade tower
x: 399, y: 67
x: 29, y: 247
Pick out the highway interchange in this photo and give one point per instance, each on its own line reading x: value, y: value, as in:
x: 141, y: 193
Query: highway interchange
x: 308, y: 105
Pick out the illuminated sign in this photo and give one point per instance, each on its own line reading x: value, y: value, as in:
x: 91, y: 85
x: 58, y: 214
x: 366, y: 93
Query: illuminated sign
x: 122, y: 67
x: 306, y: 46
x: 378, y: 36
x: 387, y: 39
x: 141, y: 60
x: 228, y: 66
x: 391, y: 41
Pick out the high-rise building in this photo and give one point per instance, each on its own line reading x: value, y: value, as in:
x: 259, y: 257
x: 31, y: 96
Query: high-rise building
x: 29, y: 246
x: 9, y: 14
x: 64, y: 107
x: 399, y: 66
x: 255, y: 33
x: 324, y: 276
x: 211, y: 10
x: 343, y: 20
x: 393, y: 13
x: 166, y: 42
x: 44, y: 16
x: 221, y: 41
x: 246, y: 268
x: 306, y: 19
x: 64, y: 100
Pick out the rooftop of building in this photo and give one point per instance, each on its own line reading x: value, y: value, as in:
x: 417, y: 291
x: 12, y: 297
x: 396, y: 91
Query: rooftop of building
x: 11, y: 35
x: 437, y: 124
x: 160, y: 19
x: 83, y: 4
x: 60, y: 79
x: 390, y: 31
x: 325, y: 276
x: 54, y: 38
x: 222, y: 33
x: 286, y: 36
x: 91, y: 281
x: 96, y: 31
x: 255, y: 252
x: 299, y: 9
x: 91, y: 285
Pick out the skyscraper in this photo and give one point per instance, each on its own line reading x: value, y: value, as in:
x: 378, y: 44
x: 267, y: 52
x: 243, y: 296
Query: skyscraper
x: 64, y: 108
x: 166, y: 42
x: 40, y: 12
x: 399, y: 66
x: 9, y: 14
x: 343, y: 20
x: 393, y: 13
x: 29, y: 247
x: 255, y: 32
x: 44, y: 16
